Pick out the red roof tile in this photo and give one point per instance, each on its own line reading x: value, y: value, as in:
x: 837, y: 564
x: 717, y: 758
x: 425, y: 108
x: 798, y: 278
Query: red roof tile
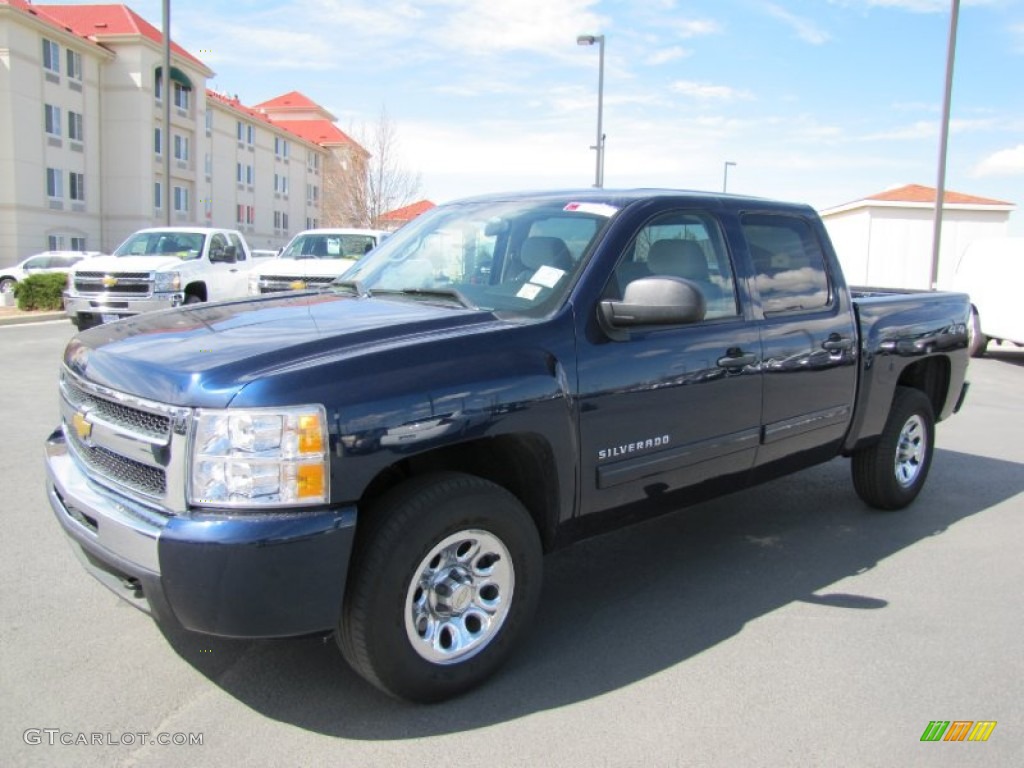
x: 916, y: 193
x: 407, y: 213
x: 290, y: 100
x: 96, y: 22
x: 318, y: 132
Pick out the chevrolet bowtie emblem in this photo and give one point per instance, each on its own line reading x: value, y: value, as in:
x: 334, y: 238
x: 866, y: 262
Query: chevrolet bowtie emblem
x: 298, y: 285
x: 109, y: 281
x: 82, y: 426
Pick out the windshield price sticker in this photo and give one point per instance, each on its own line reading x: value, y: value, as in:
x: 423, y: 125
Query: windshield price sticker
x: 529, y: 291
x: 547, y: 276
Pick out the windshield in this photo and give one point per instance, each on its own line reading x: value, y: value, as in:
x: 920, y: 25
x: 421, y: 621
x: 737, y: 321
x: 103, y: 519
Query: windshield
x: 329, y: 246
x: 518, y: 257
x: 184, y: 245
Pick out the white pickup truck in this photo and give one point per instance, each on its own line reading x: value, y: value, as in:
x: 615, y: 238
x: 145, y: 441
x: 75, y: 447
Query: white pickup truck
x: 156, y: 269
x: 313, y: 258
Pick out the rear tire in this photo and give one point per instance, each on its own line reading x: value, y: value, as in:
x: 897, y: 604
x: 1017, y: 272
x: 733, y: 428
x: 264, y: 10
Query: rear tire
x: 889, y: 474
x: 193, y: 299
x: 977, y: 342
x: 444, y: 581
x: 84, y: 322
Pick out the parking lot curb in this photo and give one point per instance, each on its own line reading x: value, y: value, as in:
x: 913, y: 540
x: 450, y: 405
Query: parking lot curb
x: 21, y: 318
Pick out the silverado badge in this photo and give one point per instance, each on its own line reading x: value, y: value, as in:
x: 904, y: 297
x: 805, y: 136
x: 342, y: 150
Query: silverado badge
x: 298, y: 285
x: 109, y: 281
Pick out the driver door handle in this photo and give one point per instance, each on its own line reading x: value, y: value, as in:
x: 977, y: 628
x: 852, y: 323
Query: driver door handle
x: 736, y: 358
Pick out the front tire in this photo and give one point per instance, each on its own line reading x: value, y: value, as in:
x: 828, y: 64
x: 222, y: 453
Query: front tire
x: 889, y: 474
x: 445, y: 579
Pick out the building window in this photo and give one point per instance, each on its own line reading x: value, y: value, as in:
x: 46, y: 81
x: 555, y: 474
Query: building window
x: 250, y: 214
x: 51, y: 116
x: 158, y: 89
x: 76, y: 186
x: 241, y: 130
x: 239, y: 214
x: 208, y: 207
x: 180, y: 147
x: 54, y: 183
x: 181, y: 199
x: 158, y: 143
x: 55, y: 243
x: 312, y: 223
x: 312, y: 194
x: 74, y: 60
x: 281, y: 147
x: 209, y: 120
x: 250, y: 135
x: 249, y: 175
x: 75, y: 132
x: 158, y: 198
x: 312, y: 161
x: 77, y: 243
x: 208, y: 164
x: 238, y: 173
x: 51, y: 56
x: 181, y: 96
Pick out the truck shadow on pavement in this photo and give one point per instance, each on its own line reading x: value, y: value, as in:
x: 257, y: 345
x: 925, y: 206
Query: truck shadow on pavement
x: 621, y: 607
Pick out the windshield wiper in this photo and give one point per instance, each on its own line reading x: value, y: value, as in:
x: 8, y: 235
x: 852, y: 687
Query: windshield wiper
x: 446, y: 294
x: 353, y: 285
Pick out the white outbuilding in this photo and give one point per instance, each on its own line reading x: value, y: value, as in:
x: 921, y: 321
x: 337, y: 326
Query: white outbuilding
x: 885, y: 240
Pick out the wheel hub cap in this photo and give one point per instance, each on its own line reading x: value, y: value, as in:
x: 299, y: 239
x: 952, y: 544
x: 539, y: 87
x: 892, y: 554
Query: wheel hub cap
x: 910, y: 451
x: 459, y: 596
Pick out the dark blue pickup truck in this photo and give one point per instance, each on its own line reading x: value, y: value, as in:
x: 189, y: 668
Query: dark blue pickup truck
x: 388, y: 459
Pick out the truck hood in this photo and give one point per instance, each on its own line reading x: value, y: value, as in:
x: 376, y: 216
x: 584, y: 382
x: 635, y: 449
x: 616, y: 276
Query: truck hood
x: 304, y: 267
x: 203, y: 356
x: 126, y: 263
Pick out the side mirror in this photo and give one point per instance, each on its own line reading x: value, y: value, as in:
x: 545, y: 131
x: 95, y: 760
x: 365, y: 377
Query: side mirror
x: 227, y: 255
x: 654, y: 301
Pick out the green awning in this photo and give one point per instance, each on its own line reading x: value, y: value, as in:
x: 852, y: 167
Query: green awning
x: 177, y: 76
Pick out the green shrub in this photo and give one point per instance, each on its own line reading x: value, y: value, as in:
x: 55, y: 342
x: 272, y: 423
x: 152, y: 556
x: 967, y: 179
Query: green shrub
x: 41, y: 291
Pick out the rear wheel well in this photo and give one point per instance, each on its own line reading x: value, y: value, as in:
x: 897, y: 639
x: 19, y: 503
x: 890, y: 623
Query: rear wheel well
x: 930, y: 376
x: 522, y: 464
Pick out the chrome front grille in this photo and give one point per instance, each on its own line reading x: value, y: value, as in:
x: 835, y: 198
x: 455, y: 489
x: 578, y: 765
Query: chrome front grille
x: 122, y: 471
x: 276, y: 283
x: 114, y: 283
x: 133, y: 446
x: 131, y: 419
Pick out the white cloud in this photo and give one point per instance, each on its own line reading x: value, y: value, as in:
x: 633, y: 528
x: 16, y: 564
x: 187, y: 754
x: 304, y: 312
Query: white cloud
x: 805, y: 29
x: 1006, y: 162
x: 541, y: 26
x: 707, y: 91
x: 694, y: 27
x: 914, y: 6
x: 929, y: 129
x: 665, y: 55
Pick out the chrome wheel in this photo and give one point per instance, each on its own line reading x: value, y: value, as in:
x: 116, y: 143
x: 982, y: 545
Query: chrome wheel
x: 910, y: 451
x: 459, y: 597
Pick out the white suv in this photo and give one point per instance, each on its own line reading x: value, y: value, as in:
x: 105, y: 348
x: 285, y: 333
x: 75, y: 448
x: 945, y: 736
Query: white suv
x: 313, y: 258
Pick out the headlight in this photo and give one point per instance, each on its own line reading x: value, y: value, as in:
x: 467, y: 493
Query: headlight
x: 273, y: 457
x: 166, y: 282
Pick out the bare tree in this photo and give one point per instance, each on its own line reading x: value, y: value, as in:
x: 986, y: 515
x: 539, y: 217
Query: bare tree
x: 368, y: 186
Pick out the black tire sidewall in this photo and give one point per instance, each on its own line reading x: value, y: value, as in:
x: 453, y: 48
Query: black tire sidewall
x: 877, y: 483
x: 479, y: 505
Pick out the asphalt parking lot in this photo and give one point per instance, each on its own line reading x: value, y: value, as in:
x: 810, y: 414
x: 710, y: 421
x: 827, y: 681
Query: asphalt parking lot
x: 781, y: 626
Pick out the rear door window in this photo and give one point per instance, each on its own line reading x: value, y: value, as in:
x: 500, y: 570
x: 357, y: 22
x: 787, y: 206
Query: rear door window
x: 789, y: 265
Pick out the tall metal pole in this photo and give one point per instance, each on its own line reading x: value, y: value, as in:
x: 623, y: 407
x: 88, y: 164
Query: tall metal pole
x: 166, y: 85
x: 725, y: 175
x: 599, y: 145
x: 940, y: 187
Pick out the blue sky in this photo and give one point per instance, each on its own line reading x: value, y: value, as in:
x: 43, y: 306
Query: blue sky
x: 822, y: 101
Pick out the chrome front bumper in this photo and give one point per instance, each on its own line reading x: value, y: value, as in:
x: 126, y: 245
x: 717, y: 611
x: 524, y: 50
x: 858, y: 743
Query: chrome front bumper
x: 120, y: 305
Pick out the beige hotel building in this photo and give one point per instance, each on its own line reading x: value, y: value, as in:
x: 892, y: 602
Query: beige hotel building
x: 82, y: 138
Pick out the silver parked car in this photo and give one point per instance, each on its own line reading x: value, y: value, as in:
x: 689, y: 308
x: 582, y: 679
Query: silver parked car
x: 41, y: 263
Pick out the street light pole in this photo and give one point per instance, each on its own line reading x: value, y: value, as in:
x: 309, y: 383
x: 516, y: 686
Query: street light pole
x: 940, y: 189
x: 599, y: 146
x: 725, y: 175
